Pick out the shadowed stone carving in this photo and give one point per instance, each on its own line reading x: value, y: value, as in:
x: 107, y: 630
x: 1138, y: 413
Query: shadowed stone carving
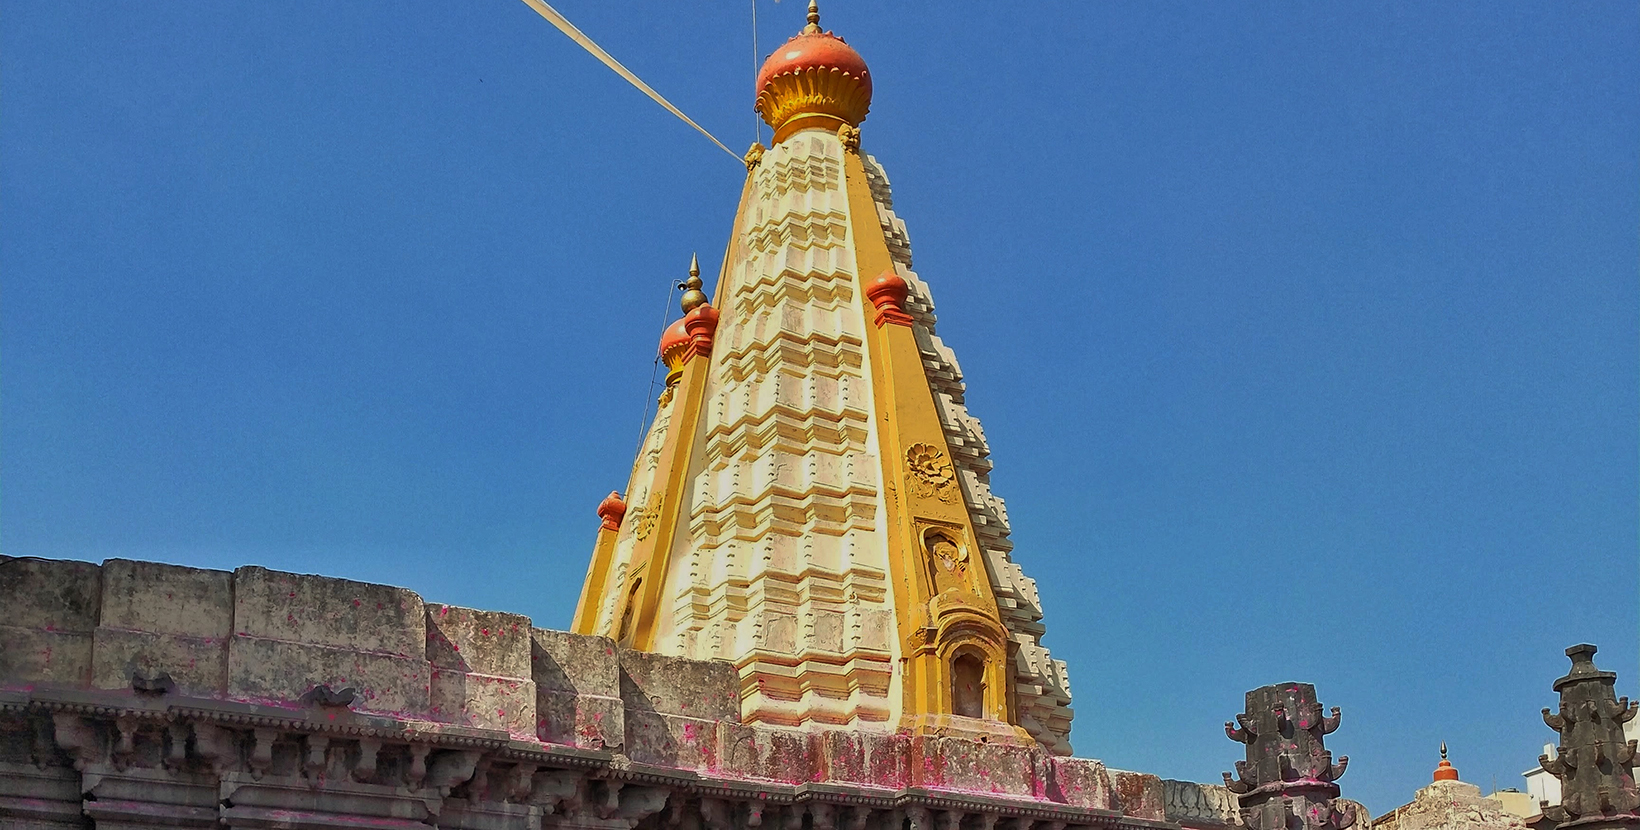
x: 1594, y: 763
x: 1288, y: 779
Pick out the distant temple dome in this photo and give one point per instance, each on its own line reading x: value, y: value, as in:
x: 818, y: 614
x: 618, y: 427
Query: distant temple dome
x: 815, y: 79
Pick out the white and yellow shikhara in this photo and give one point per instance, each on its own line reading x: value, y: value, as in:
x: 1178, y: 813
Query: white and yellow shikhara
x: 812, y: 502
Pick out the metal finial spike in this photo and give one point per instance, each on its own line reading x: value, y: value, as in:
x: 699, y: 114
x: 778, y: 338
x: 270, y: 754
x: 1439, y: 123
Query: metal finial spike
x: 814, y: 17
x: 693, y: 296
x: 1443, y: 750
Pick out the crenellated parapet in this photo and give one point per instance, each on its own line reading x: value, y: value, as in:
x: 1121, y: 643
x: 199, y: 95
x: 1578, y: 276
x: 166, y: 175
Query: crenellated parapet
x: 150, y: 695
x: 1289, y: 779
x: 1594, y: 763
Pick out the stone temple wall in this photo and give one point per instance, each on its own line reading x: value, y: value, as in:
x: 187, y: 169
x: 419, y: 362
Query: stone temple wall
x: 137, y: 695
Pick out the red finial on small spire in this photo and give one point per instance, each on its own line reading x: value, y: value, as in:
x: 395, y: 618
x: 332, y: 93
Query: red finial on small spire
x: 1445, y: 771
x: 888, y: 293
x: 612, y: 510
x: 701, y: 323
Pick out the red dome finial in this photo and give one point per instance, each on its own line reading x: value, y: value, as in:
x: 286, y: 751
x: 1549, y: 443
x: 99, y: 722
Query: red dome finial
x: 888, y: 292
x: 684, y: 339
x: 815, y: 79
x: 612, y: 510
x: 1444, y: 771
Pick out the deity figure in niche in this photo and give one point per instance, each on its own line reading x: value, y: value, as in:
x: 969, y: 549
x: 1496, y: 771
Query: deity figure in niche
x: 949, y: 557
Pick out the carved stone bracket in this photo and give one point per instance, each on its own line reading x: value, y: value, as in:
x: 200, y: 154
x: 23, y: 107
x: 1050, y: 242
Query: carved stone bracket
x: 76, y: 736
x: 850, y: 136
x: 295, y: 764
x: 262, y: 751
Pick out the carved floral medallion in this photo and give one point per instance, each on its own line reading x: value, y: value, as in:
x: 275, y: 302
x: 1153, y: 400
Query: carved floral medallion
x: 931, y: 473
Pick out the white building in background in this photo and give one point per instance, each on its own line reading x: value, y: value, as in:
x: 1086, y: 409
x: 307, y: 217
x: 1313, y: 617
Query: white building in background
x: 1540, y: 785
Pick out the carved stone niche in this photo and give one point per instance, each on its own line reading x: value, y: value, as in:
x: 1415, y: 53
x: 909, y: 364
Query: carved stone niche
x: 947, y: 556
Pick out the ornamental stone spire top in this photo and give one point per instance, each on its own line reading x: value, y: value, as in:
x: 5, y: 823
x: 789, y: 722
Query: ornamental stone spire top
x: 1594, y: 763
x: 1289, y: 776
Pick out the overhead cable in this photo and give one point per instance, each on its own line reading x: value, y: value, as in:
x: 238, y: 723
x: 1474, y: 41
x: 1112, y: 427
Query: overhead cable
x: 568, y: 28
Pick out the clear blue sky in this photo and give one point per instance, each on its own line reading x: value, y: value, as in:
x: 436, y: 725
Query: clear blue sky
x: 1307, y: 336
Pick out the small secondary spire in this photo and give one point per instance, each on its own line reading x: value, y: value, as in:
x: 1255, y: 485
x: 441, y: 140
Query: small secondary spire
x: 1445, y: 771
x: 814, y: 18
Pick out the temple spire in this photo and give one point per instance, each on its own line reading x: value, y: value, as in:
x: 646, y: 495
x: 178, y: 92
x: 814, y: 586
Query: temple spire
x: 802, y: 505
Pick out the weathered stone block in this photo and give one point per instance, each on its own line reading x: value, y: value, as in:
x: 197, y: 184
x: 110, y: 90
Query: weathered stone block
x: 483, y: 701
x: 673, y: 708
x: 586, y: 721
x: 575, y: 663
x: 49, y: 595
x: 167, y: 599
x: 32, y: 798
x: 1139, y: 795
x: 30, y: 656
x: 463, y: 814
x: 49, y: 611
x: 671, y: 740
x: 878, y: 759
x: 972, y: 766
x: 274, y: 670
x: 197, y: 665
x: 321, y: 611
x: 163, y: 618
x: 578, y: 690
x: 1081, y: 782
x: 483, y: 642
x: 277, y: 801
x: 784, y: 755
x: 708, y: 689
x: 924, y: 765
